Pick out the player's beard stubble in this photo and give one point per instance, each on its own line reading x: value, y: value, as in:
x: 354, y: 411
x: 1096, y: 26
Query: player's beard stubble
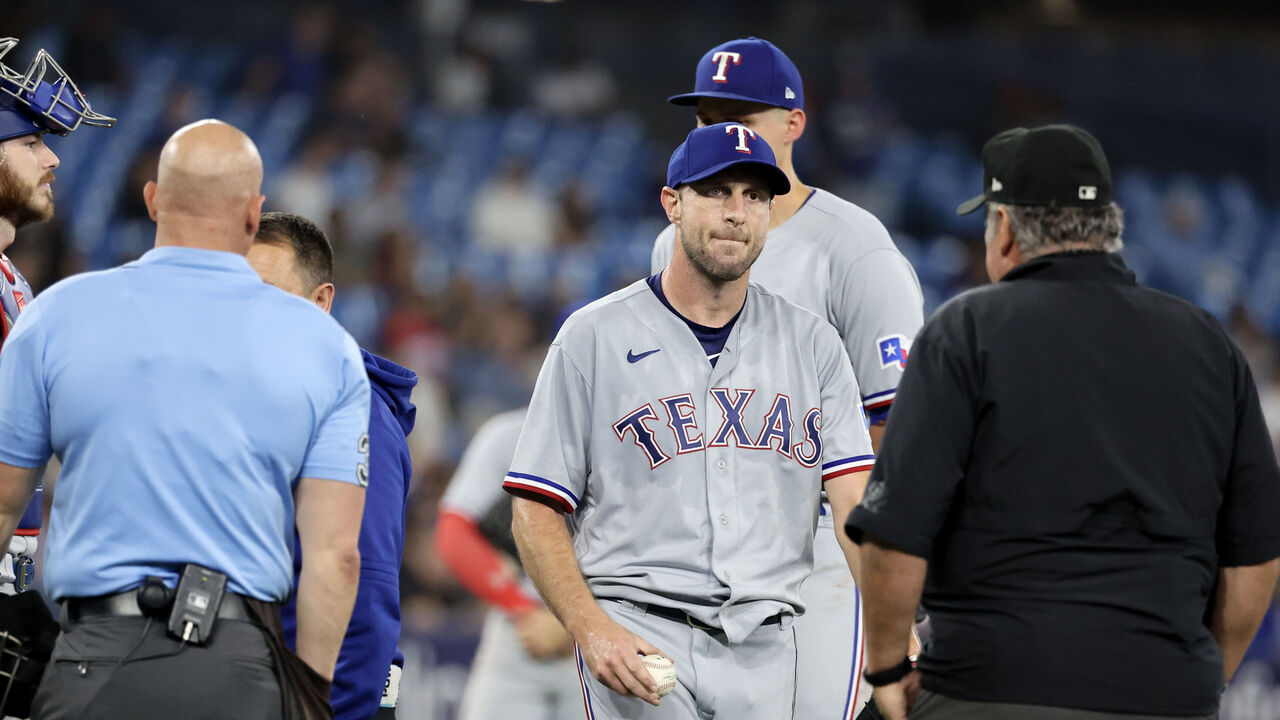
x: 19, y: 202
x: 698, y: 247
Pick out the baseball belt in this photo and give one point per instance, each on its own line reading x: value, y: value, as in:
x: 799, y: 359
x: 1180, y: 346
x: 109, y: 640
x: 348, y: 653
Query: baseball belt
x: 681, y: 616
x: 125, y: 604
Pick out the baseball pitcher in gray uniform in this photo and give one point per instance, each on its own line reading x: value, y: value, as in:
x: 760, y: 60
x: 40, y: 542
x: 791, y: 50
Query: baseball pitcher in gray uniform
x: 687, y: 425
x: 835, y: 259
x: 518, y: 671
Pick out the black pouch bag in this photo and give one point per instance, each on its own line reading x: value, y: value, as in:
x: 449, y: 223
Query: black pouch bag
x: 305, y: 692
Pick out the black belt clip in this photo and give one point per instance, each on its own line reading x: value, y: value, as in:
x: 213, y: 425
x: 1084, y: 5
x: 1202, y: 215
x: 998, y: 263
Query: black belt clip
x: 24, y: 573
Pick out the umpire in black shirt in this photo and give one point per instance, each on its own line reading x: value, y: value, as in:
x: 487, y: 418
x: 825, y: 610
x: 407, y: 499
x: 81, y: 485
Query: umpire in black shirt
x: 1077, y: 476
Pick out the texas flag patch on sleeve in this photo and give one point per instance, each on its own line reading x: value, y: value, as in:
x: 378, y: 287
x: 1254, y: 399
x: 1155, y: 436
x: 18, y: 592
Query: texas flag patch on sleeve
x: 893, y: 351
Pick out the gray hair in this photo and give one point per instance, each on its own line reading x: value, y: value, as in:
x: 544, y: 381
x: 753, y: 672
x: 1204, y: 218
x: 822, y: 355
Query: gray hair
x: 1040, y: 229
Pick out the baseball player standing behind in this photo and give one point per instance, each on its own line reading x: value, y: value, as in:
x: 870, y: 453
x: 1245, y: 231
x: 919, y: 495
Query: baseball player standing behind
x: 687, y: 425
x: 523, y: 667
x: 33, y: 103
x: 835, y: 259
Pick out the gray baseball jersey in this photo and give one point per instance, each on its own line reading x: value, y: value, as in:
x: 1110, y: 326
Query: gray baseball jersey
x: 836, y: 260
x: 691, y: 486
x: 504, y: 681
x: 477, y: 484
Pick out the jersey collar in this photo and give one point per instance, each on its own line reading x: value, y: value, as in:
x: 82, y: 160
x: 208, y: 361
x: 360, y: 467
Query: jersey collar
x: 197, y: 258
x: 1094, y: 265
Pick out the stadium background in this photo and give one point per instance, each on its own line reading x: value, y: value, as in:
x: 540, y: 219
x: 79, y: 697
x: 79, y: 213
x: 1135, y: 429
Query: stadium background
x: 480, y: 165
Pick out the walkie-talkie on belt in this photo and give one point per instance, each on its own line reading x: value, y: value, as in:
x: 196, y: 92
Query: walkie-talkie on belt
x: 195, y: 604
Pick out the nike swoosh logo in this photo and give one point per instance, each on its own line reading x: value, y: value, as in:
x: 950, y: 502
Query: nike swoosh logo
x: 632, y: 357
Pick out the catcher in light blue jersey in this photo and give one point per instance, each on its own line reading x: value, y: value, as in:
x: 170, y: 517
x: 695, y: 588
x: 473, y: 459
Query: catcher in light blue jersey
x: 687, y: 426
x: 835, y: 259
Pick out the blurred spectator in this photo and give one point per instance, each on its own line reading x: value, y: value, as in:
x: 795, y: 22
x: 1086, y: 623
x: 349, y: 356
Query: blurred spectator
x: 505, y: 39
x: 496, y: 359
x: 384, y: 209
x: 576, y: 216
x: 579, y: 87
x: 1181, y: 247
x: 372, y: 100
x: 92, y: 53
x: 511, y: 214
x: 306, y: 188
x: 462, y: 82
x: 442, y: 19
x: 306, y: 59
x: 184, y: 104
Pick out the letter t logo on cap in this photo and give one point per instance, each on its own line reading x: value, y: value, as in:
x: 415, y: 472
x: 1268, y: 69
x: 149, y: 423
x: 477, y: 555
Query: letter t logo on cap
x: 743, y: 131
x: 722, y: 59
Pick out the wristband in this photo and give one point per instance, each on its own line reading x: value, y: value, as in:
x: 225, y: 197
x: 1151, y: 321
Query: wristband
x: 889, y: 676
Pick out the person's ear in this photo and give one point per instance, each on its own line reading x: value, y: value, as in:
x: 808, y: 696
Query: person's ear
x: 323, y: 296
x: 253, y: 214
x: 796, y: 120
x: 670, y: 200
x: 1004, y: 238
x: 149, y: 197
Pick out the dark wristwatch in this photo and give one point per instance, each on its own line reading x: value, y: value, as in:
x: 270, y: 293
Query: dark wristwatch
x: 889, y: 676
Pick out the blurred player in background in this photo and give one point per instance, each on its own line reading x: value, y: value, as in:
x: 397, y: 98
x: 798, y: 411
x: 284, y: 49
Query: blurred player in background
x: 32, y: 103
x: 293, y: 254
x: 523, y: 668
x: 836, y: 260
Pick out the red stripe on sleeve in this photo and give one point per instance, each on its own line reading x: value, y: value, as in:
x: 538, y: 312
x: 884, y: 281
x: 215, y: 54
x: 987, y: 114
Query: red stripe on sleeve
x: 559, y: 501
x: 847, y: 471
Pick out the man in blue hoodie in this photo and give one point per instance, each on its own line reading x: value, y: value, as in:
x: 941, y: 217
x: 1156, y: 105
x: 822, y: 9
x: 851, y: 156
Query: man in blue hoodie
x: 291, y: 253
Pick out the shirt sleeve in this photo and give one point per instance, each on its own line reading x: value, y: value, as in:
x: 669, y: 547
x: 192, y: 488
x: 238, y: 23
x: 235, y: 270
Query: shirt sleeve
x: 476, y: 487
x: 663, y: 247
x: 340, y: 448
x: 878, y: 309
x: 846, y: 444
x: 551, y: 455
x: 925, y: 449
x: 1247, y: 530
x: 24, y: 424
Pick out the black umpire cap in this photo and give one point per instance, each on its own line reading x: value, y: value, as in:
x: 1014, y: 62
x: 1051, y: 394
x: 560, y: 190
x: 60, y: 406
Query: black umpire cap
x: 1057, y: 165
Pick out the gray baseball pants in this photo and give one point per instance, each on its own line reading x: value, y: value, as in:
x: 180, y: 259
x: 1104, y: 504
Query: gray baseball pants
x: 715, y: 679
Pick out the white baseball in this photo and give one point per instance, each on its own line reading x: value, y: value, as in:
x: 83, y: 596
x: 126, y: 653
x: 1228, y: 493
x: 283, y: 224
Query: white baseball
x: 663, y: 671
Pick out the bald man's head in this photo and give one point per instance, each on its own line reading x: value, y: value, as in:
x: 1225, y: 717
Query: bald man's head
x: 210, y: 173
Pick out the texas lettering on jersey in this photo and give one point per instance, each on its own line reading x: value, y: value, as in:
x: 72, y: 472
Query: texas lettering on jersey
x: 775, y: 430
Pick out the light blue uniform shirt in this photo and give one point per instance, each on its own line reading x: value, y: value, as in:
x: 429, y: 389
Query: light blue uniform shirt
x: 184, y: 397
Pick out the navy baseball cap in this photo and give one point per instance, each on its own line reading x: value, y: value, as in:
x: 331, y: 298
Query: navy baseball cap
x: 708, y: 150
x: 754, y: 70
x: 1055, y: 165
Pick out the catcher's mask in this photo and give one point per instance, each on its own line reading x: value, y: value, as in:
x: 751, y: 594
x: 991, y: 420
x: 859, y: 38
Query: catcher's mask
x: 27, y: 634
x: 42, y: 99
